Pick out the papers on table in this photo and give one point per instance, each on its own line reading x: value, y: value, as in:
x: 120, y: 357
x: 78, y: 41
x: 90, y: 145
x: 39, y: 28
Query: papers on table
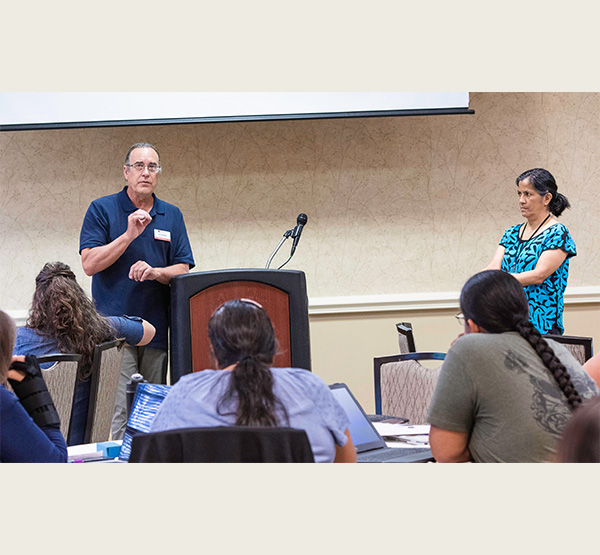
x: 404, y: 435
x: 94, y: 452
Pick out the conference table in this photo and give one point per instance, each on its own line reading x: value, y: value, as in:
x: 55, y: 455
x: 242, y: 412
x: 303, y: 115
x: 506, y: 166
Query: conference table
x: 397, y: 436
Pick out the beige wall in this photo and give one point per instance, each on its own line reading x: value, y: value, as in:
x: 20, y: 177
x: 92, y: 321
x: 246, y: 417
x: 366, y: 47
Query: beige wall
x: 395, y: 205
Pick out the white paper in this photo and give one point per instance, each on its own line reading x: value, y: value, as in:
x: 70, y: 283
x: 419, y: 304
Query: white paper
x: 386, y: 429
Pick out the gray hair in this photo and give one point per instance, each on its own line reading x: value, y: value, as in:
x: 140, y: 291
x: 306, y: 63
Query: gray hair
x: 141, y: 145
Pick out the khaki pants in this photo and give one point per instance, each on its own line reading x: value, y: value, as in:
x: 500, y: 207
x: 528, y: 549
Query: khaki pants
x: 150, y: 363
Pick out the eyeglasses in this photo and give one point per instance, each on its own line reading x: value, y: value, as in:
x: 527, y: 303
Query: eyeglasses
x: 461, y: 318
x: 140, y: 166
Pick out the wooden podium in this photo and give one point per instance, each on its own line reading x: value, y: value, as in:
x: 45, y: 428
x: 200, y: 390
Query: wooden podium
x: 195, y: 296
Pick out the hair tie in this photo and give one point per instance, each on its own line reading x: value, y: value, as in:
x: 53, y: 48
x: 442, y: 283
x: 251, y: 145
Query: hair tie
x: 44, y: 279
x: 246, y: 358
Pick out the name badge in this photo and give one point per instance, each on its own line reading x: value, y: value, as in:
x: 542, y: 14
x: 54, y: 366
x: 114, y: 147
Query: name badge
x: 161, y: 235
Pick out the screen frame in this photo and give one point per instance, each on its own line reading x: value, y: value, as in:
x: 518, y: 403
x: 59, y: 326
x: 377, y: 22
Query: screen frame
x: 375, y: 444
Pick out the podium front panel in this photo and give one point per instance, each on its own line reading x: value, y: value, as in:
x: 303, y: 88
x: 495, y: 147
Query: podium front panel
x: 195, y: 296
x: 204, y: 303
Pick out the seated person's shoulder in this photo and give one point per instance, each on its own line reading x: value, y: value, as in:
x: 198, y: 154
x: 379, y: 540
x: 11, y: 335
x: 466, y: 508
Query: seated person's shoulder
x: 474, y: 341
x: 8, y: 400
x: 298, y: 378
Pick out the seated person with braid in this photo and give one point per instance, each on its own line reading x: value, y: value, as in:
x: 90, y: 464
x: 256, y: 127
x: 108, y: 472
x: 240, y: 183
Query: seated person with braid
x: 63, y: 319
x: 505, y: 394
x: 29, y: 423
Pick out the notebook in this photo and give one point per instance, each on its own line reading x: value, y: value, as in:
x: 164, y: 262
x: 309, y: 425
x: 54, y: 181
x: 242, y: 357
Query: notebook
x: 370, y: 446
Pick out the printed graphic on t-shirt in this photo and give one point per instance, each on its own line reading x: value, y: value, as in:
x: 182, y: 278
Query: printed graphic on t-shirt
x: 547, y: 402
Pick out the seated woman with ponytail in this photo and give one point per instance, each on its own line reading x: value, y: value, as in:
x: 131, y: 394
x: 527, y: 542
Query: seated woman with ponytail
x: 246, y: 391
x: 505, y: 393
x: 29, y: 423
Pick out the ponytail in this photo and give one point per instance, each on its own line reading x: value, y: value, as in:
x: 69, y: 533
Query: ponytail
x: 558, y: 204
x: 241, y: 334
x: 253, y: 383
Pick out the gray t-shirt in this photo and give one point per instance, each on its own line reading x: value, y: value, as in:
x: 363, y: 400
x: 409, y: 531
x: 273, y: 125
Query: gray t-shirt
x: 310, y: 406
x: 496, y: 388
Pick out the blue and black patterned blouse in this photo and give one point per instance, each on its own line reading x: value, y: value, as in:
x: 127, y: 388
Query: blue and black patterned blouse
x: 545, y: 299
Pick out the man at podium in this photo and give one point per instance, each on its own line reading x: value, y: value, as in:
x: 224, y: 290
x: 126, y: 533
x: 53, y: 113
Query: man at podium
x: 133, y: 243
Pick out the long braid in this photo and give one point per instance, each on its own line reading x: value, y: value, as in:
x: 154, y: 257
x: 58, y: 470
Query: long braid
x: 551, y: 361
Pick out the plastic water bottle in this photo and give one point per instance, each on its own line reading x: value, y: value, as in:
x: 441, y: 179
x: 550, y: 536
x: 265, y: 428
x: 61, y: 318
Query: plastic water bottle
x: 131, y: 388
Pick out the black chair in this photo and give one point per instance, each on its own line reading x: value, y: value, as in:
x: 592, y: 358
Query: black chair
x: 233, y: 444
x: 579, y: 347
x: 406, y: 340
x: 403, y: 386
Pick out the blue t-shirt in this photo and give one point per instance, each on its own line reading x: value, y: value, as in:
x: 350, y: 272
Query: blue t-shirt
x: 31, y: 342
x: 192, y: 402
x: 112, y: 290
x: 545, y: 299
x: 21, y: 439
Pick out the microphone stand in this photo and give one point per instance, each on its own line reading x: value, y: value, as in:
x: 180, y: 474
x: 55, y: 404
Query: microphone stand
x: 286, y: 235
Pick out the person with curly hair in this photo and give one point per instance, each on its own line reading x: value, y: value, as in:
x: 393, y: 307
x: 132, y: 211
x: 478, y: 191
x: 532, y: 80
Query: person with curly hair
x: 63, y: 319
x: 246, y: 391
x: 29, y: 423
x: 537, y: 252
x: 504, y: 393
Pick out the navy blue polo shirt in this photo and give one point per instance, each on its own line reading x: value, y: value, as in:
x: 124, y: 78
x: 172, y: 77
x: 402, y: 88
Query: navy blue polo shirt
x: 114, y: 293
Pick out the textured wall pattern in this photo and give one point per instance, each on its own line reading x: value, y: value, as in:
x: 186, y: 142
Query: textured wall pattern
x: 395, y: 205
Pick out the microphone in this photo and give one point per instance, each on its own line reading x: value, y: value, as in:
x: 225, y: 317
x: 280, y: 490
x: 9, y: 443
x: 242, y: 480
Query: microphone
x: 297, y: 231
x: 295, y: 234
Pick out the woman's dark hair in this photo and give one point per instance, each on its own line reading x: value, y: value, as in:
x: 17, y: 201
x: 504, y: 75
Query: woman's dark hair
x: 61, y: 310
x: 241, y: 333
x: 496, y: 301
x: 543, y: 182
x: 8, y: 331
x: 580, y: 442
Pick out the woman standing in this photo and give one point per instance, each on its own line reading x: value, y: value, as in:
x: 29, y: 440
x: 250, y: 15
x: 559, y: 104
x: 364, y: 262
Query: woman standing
x: 537, y: 252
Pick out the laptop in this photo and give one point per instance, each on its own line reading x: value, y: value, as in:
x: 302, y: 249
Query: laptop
x: 370, y: 446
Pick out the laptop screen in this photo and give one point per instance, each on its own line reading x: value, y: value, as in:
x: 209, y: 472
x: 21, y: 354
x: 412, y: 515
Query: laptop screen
x: 364, y: 435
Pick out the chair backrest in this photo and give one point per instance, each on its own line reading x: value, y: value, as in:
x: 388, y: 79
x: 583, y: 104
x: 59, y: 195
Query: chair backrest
x: 406, y: 340
x: 580, y: 347
x: 106, y: 369
x: 234, y: 444
x: 60, y: 379
x: 403, y: 386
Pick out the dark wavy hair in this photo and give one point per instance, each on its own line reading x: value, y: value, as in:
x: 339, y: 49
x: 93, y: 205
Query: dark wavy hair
x: 61, y: 310
x: 580, y: 441
x: 543, y: 182
x: 8, y: 332
x: 496, y: 301
x: 241, y: 333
